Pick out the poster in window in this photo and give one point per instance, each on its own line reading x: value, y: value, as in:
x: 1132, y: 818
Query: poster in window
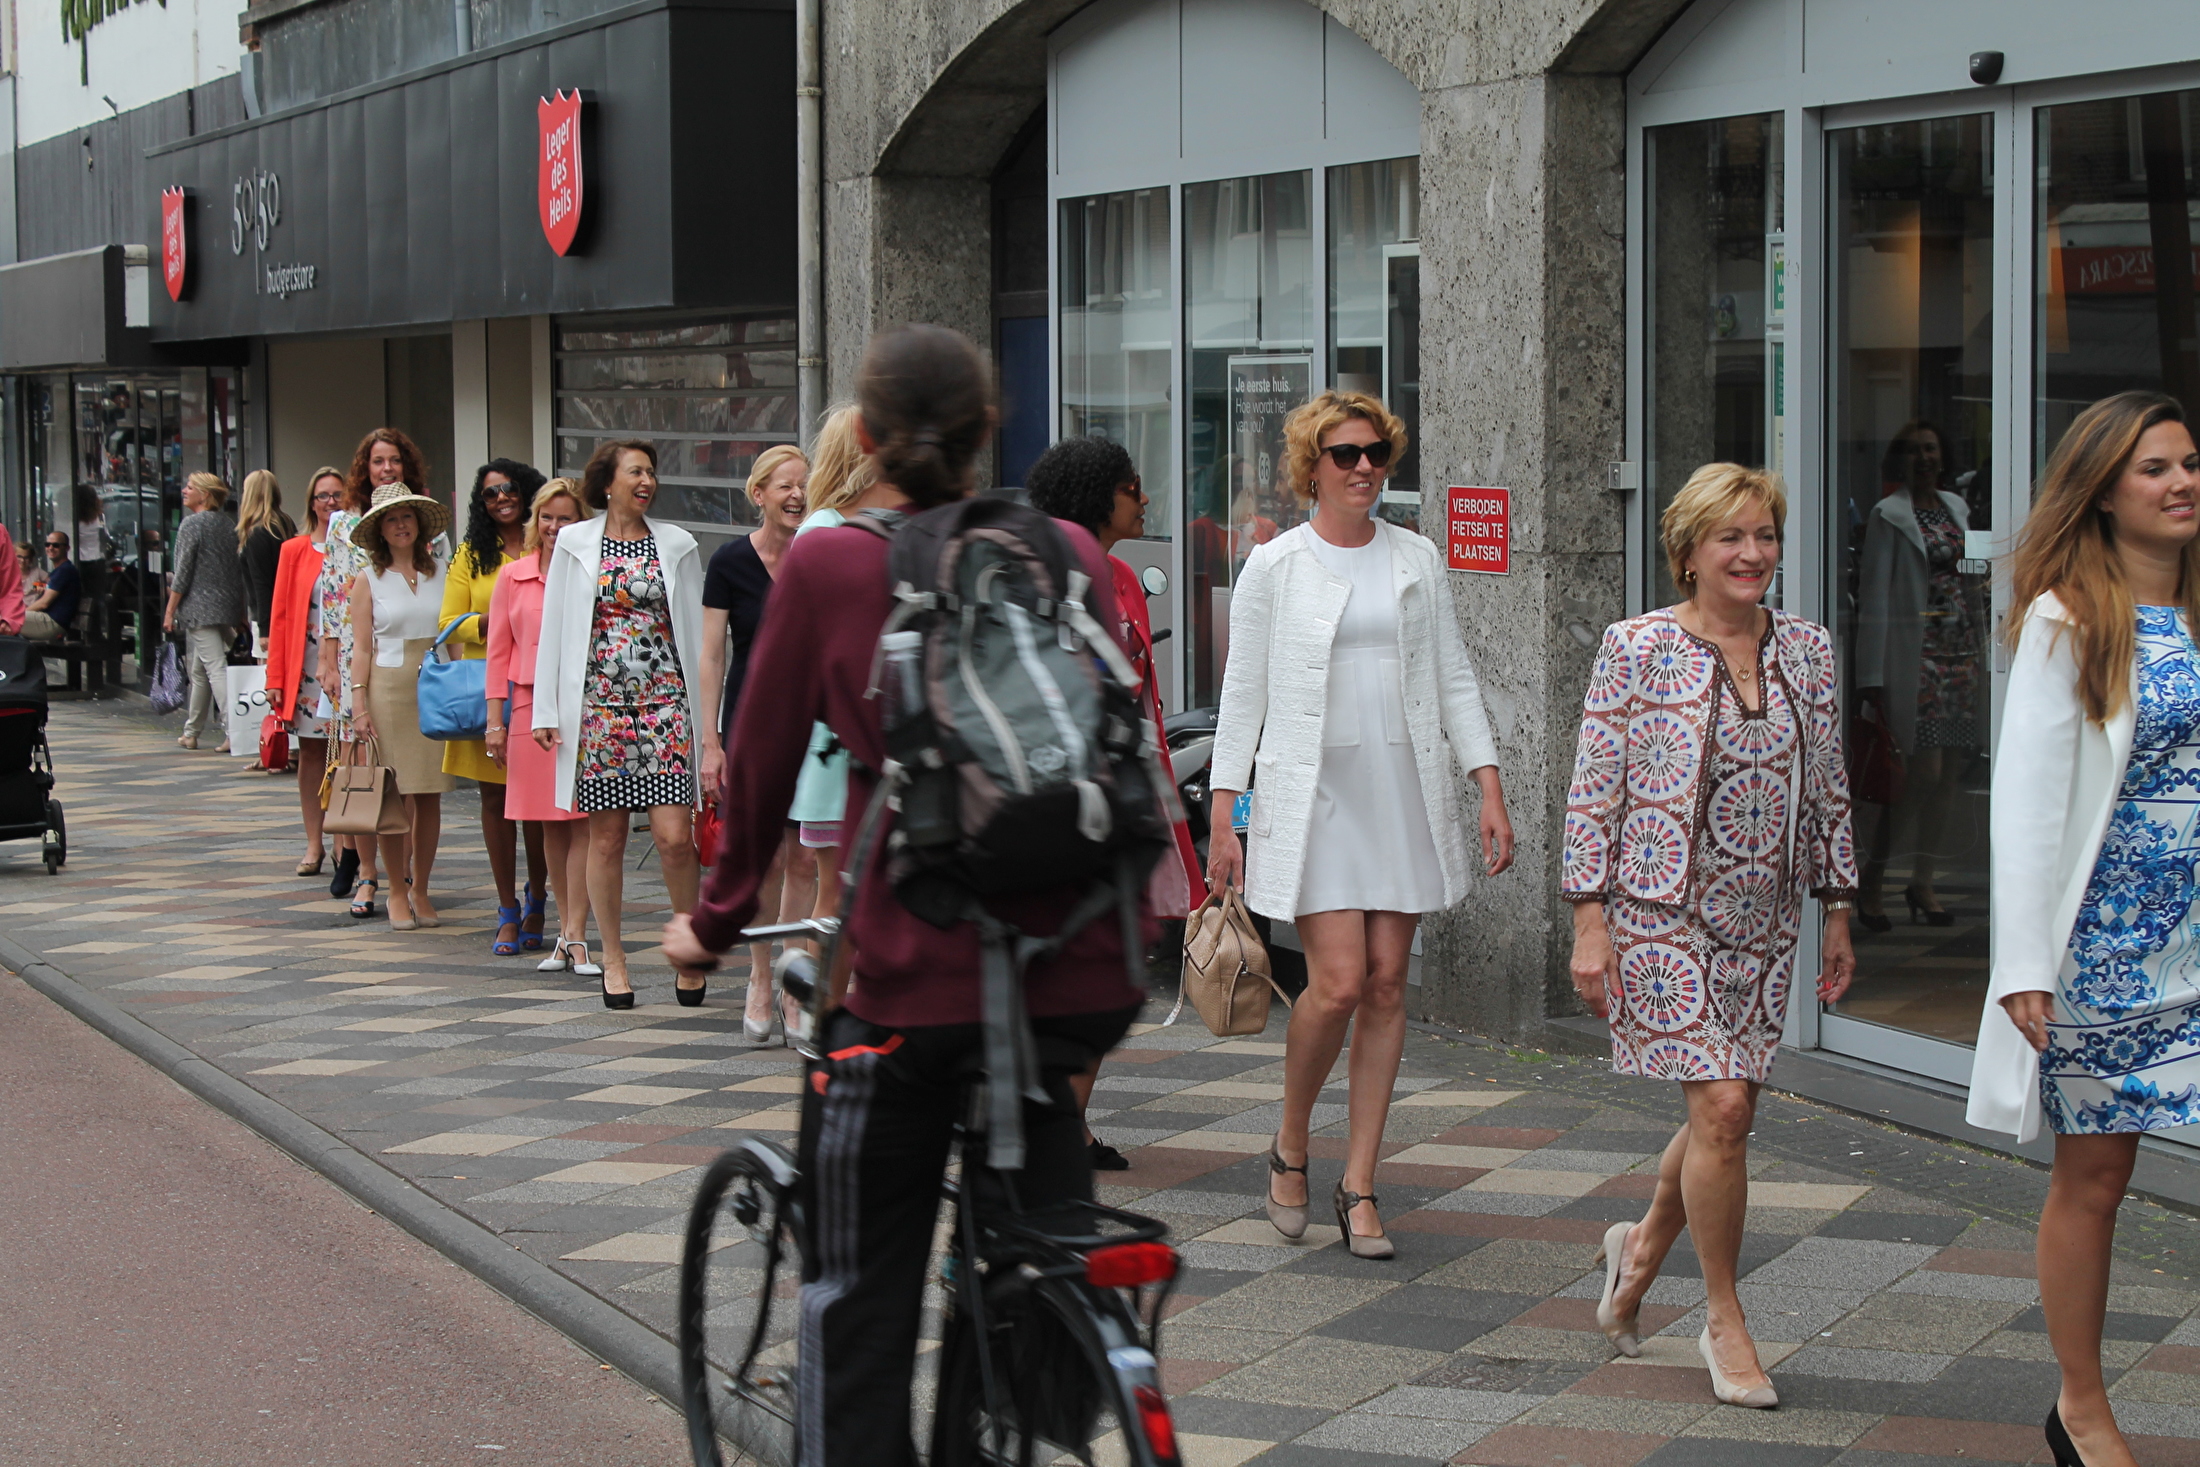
x: 1263, y: 391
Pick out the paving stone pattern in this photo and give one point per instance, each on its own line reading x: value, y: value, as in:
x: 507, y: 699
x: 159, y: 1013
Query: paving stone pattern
x: 1889, y: 1279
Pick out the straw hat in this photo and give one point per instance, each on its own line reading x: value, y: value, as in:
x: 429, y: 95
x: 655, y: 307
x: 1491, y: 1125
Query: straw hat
x: 433, y: 517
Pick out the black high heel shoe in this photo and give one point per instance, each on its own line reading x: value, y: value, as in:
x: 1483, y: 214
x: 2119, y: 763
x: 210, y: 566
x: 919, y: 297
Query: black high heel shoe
x: 2059, y: 1442
x: 1931, y: 916
x: 691, y: 998
x: 615, y: 1000
x: 1874, y: 921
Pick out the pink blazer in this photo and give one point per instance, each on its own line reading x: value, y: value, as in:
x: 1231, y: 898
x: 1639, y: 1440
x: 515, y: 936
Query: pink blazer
x: 515, y: 625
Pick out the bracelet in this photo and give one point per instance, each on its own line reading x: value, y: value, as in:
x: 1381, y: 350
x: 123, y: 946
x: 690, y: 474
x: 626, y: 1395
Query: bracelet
x: 1838, y: 906
x: 493, y: 728
x: 357, y: 686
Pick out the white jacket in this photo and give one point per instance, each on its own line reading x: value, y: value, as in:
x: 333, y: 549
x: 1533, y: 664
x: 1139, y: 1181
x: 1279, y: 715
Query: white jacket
x: 569, y: 614
x: 2056, y: 778
x: 1275, y: 697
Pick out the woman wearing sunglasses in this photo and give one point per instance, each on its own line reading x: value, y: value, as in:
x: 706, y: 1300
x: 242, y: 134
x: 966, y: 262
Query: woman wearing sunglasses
x: 1349, y: 689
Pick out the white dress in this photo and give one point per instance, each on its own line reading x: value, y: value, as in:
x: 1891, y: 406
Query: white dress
x: 1368, y: 846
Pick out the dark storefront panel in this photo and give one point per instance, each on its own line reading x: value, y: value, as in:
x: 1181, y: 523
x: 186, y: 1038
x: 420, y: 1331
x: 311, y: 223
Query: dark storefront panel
x: 413, y: 202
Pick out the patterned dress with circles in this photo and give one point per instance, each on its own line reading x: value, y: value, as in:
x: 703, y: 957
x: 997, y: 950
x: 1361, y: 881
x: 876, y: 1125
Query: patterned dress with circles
x: 1699, y: 822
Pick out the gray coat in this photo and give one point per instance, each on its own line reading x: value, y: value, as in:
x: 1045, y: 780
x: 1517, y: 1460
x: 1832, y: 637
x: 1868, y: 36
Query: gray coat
x: 209, y: 578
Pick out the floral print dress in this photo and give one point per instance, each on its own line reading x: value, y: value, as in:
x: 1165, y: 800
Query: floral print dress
x: 1948, y: 647
x: 2123, y: 1042
x: 341, y: 564
x: 636, y: 747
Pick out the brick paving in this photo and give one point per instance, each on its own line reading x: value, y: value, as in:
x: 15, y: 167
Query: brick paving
x: 1889, y: 1279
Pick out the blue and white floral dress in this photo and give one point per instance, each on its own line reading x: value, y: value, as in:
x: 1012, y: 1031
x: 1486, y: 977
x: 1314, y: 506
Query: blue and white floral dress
x: 2123, y: 1051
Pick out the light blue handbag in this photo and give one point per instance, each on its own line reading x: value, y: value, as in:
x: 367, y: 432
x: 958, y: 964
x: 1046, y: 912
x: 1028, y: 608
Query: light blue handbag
x: 454, y: 695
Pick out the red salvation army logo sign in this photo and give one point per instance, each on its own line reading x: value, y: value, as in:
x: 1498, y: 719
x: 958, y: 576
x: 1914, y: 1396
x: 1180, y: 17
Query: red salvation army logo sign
x: 558, y: 160
x: 175, y: 262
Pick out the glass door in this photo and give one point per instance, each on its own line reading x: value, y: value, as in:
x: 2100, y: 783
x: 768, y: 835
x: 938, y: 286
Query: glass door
x: 1910, y: 498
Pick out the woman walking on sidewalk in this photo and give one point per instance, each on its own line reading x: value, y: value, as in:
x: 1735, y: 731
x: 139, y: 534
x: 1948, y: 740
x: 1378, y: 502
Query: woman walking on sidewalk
x: 616, y: 681
x: 1708, y: 797
x: 205, y: 602
x: 1349, y: 687
x: 293, y: 643
x: 496, y: 534
x: 384, y: 457
x: 2092, y: 1019
x: 262, y: 531
x: 399, y: 597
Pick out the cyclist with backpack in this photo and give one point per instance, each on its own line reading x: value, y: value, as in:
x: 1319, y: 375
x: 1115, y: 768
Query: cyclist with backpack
x: 1024, y: 819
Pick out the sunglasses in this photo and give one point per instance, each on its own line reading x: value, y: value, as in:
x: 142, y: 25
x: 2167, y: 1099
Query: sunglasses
x: 1348, y: 455
x: 500, y: 491
x: 57, y: 544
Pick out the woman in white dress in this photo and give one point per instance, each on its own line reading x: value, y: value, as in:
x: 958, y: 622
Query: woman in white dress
x: 1350, y: 691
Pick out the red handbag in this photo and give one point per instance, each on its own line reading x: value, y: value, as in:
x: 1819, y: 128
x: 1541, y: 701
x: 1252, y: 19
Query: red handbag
x: 706, y: 836
x: 274, y: 745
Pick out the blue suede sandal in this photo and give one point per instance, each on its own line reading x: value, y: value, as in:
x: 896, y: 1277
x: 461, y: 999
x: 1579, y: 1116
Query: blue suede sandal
x: 535, y: 901
x: 506, y: 917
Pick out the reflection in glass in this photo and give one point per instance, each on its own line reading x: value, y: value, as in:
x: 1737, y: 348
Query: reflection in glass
x: 1911, y: 318
x: 1117, y: 335
x: 1717, y: 308
x: 2117, y: 197
x: 1249, y: 327
x: 1375, y: 303
x: 711, y: 394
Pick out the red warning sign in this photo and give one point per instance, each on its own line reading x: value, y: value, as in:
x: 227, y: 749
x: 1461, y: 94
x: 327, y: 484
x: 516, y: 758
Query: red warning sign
x: 1479, y: 529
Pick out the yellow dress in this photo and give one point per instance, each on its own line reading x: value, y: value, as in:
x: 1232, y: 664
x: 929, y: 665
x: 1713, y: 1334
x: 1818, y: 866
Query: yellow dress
x: 466, y: 591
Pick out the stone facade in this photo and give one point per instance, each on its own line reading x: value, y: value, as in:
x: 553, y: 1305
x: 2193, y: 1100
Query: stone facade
x: 1522, y: 347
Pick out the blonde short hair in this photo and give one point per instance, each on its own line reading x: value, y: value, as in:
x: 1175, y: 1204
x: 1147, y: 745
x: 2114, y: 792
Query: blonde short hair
x: 840, y: 471
x: 555, y: 489
x: 1312, y: 421
x: 1713, y: 495
x: 210, y: 487
x: 768, y: 462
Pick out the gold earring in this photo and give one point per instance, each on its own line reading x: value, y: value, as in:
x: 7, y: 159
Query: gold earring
x: 1688, y: 578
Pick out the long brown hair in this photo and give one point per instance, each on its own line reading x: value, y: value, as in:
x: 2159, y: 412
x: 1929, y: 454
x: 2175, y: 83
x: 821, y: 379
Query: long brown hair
x: 358, y: 492
x: 927, y: 402
x: 2068, y: 546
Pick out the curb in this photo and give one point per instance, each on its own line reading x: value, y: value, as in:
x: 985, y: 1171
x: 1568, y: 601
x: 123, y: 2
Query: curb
x: 602, y: 1329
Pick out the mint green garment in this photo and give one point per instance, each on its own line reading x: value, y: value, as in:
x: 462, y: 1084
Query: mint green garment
x: 821, y: 794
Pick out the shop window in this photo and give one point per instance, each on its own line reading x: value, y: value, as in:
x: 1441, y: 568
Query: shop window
x: 2117, y: 198
x: 1118, y: 333
x: 1249, y: 329
x: 1715, y: 311
x: 1910, y: 313
x: 1375, y: 304
x: 710, y: 392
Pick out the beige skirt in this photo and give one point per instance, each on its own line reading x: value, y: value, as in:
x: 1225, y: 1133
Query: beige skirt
x: 393, y: 697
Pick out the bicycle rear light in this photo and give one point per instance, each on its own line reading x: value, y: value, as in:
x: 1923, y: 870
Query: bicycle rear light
x: 1153, y: 1416
x: 1128, y: 1265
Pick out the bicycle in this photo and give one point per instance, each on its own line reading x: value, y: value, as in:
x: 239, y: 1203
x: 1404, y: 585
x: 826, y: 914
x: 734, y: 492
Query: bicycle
x: 1050, y: 1320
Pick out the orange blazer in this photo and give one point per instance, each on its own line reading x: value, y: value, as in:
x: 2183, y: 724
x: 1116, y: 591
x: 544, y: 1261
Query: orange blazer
x: 296, y: 574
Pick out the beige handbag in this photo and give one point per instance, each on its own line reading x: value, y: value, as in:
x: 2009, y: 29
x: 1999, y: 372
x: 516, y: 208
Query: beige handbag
x: 1226, y: 971
x: 363, y: 797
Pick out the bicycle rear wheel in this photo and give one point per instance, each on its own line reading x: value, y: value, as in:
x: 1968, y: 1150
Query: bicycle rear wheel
x: 1071, y: 1384
x: 740, y: 1277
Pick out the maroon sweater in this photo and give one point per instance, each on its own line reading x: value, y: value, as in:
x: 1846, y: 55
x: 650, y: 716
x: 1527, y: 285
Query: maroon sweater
x: 811, y: 663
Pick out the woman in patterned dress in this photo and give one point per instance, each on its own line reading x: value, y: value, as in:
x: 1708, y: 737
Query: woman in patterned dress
x: 385, y: 456
x: 1919, y: 634
x: 616, y: 675
x: 1708, y: 798
x: 2096, y: 830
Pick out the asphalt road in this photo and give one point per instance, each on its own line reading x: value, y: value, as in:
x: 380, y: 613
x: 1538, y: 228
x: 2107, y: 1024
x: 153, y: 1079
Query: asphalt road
x: 177, y: 1291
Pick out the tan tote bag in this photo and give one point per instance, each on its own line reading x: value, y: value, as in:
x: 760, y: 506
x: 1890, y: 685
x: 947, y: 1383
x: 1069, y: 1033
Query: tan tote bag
x: 1226, y: 971
x: 363, y: 797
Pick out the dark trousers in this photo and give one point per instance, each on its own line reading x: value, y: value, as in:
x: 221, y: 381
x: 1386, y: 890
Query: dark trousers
x: 874, y: 1148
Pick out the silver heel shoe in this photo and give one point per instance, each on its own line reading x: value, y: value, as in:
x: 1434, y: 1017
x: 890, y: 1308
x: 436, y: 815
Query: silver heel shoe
x: 1623, y: 1333
x: 1756, y: 1398
x: 1378, y: 1247
x: 1289, y: 1221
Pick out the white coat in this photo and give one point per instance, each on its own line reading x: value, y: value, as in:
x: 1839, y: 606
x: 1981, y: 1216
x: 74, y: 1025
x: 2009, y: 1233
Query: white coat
x: 1892, y: 582
x: 568, y: 617
x: 1275, y: 697
x: 2056, y: 778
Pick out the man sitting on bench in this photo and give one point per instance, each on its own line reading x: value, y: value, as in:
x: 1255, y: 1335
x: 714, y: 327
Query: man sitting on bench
x: 52, y: 611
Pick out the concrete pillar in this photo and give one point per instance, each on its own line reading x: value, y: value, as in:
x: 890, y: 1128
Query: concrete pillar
x: 511, y: 407
x: 322, y: 397
x: 542, y: 399
x: 1522, y: 343
x: 469, y: 411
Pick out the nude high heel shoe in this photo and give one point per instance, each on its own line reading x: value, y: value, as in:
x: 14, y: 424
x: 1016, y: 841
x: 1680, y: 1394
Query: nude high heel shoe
x: 1624, y: 1334
x: 1359, y: 1244
x: 1289, y: 1221
x: 1756, y: 1398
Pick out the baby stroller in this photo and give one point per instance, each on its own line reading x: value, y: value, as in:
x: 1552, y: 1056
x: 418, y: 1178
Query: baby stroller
x: 28, y: 810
